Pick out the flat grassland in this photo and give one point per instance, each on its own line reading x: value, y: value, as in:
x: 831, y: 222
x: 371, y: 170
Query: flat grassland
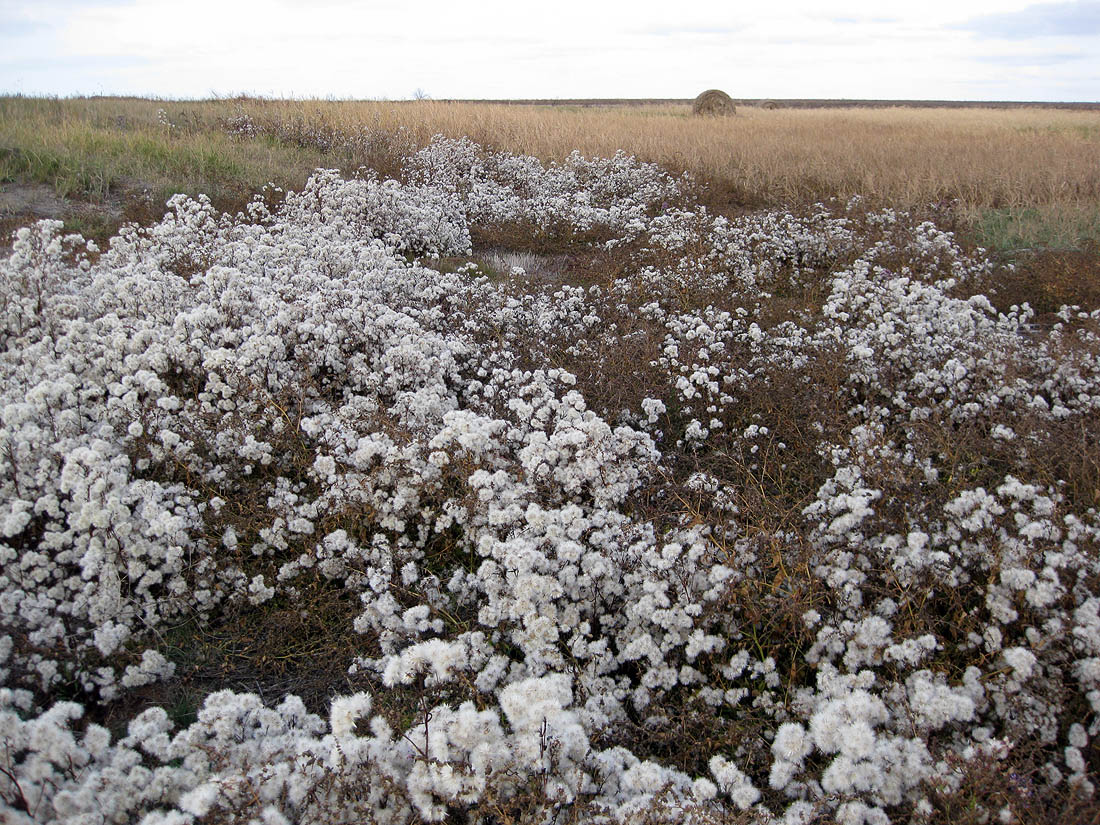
x: 1013, y: 178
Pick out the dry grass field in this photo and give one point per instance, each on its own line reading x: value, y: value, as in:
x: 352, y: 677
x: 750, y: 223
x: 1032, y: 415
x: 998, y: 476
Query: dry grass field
x: 1015, y: 178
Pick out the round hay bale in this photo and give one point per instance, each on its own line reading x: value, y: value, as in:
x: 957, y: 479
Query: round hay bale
x: 713, y: 102
x: 769, y: 104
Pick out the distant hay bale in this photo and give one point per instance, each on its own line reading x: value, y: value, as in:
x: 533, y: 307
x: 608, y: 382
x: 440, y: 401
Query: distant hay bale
x: 769, y: 104
x: 713, y: 102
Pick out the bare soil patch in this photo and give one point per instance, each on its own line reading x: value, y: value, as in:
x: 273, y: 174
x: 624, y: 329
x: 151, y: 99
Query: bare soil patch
x: 32, y: 199
x: 21, y: 204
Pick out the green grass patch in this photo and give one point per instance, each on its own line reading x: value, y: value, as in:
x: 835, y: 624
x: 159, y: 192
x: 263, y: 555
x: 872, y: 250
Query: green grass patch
x: 94, y: 159
x: 1056, y: 226
x: 1081, y: 131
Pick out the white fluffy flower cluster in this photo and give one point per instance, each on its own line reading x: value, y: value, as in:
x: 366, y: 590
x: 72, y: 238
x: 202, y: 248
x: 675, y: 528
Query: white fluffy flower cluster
x: 543, y: 505
x: 616, y: 195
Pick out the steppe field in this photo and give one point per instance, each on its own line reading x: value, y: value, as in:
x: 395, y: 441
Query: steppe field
x: 402, y: 462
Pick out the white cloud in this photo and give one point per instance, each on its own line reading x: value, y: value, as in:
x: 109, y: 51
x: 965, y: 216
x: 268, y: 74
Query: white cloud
x: 505, y: 49
x: 1074, y: 19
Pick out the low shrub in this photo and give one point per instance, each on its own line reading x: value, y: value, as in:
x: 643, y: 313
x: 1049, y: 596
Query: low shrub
x: 768, y: 524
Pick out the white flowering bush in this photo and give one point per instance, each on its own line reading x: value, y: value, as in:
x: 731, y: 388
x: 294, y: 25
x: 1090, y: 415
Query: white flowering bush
x: 777, y: 519
x: 614, y: 197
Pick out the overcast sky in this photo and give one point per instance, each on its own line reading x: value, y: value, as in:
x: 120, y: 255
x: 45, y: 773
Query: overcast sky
x: 931, y: 49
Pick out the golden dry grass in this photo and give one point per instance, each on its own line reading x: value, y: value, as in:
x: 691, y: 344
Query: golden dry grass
x: 1029, y: 175
x: 987, y: 157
